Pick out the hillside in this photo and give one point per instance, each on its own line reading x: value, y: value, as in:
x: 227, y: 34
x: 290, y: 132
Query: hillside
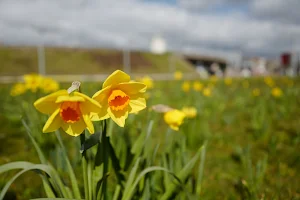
x: 22, y: 60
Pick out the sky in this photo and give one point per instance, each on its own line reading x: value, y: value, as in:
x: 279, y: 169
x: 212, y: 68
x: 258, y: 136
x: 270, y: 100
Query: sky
x: 227, y: 28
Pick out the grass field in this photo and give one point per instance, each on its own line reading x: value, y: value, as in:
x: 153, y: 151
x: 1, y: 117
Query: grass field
x: 23, y: 60
x: 252, y: 138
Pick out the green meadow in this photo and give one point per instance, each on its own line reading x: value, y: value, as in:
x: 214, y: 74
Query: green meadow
x: 238, y: 146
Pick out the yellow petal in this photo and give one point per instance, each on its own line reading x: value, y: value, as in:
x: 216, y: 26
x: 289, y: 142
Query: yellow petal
x: 89, y: 105
x: 132, y: 88
x: 137, y: 104
x: 102, y: 95
x: 176, y: 128
x: 88, y: 122
x: 116, y: 77
x: 99, y: 116
x: 53, y: 123
x: 74, y: 129
x: 64, y: 98
x: 47, y: 104
x: 118, y: 116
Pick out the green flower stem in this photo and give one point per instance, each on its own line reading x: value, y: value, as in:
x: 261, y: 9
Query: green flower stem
x: 74, y: 183
x: 84, y: 169
x: 105, y: 154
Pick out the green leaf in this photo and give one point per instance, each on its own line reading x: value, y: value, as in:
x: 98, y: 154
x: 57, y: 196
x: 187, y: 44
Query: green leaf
x: 116, y: 164
x: 43, y: 160
x: 40, y: 167
x: 53, y: 198
x: 117, y: 192
x: 182, y: 175
x: 200, y: 170
x: 130, y: 179
x: 132, y: 187
x: 35, y: 144
x: 15, y: 165
x: 90, y: 142
x: 72, y: 176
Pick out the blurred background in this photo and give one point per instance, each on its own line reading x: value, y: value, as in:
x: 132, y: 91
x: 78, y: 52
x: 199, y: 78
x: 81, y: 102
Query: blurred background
x: 222, y: 37
x: 232, y: 65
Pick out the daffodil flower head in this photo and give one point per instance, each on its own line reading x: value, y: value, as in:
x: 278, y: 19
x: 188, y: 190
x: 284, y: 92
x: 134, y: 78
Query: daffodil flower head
x: 178, y: 75
x: 228, y: 81
x: 197, y: 86
x: 70, y: 111
x: 119, y: 97
x: 269, y: 81
x: 32, y: 81
x: 190, y: 112
x: 174, y: 118
x: 186, y: 86
x: 148, y: 81
x: 18, y: 89
x: 206, y: 92
x: 276, y: 92
x: 49, y: 85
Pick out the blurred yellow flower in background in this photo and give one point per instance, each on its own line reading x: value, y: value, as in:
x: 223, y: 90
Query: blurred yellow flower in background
x: 206, y: 92
x: 256, y: 92
x: 174, y: 118
x: 18, y: 89
x: 190, y: 112
x: 228, y: 81
x: 49, y: 85
x: 71, y: 112
x: 178, y: 75
x: 33, y: 81
x: 197, y: 86
x: 119, y: 97
x: 269, y: 81
x: 148, y: 81
x: 276, y: 92
x: 186, y: 86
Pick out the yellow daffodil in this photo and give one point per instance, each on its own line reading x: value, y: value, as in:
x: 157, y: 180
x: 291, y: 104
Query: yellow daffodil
x: 256, y: 92
x: 190, y: 112
x: 178, y: 75
x: 148, y: 81
x: 49, y: 85
x: 18, y: 89
x: 206, y: 92
x: 197, y: 86
x: 228, y: 81
x: 269, y: 81
x: 186, y: 86
x: 119, y: 97
x: 71, y: 112
x: 33, y: 81
x: 276, y: 92
x: 174, y: 118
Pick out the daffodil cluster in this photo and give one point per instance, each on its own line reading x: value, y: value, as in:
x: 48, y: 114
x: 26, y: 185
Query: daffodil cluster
x: 74, y: 111
x: 34, y: 82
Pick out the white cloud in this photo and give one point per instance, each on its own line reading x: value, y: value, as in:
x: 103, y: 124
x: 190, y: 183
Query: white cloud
x: 133, y: 23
